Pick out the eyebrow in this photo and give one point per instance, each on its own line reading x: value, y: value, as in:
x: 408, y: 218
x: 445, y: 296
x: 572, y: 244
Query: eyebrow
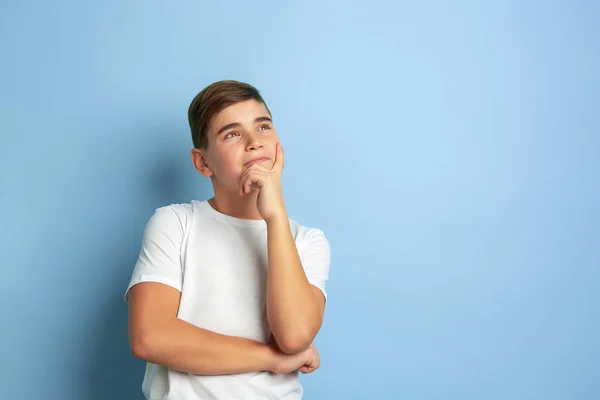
x: 237, y: 124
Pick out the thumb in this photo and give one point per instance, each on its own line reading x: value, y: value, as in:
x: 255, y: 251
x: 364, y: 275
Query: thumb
x: 278, y: 164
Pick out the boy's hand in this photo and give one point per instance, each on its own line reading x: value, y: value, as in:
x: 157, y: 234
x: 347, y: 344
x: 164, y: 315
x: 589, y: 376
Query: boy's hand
x: 306, y: 361
x: 268, y: 182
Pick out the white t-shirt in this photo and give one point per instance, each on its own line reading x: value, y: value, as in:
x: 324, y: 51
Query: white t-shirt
x: 219, y: 263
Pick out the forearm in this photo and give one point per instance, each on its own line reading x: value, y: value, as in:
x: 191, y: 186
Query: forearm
x: 185, y: 347
x: 290, y: 303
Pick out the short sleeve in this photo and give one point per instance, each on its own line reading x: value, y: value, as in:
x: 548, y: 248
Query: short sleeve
x: 160, y: 255
x: 315, y: 256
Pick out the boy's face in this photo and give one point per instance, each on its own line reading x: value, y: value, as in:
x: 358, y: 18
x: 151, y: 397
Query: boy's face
x: 239, y: 135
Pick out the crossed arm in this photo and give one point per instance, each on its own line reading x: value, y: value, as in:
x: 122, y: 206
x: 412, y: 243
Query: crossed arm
x: 294, y: 310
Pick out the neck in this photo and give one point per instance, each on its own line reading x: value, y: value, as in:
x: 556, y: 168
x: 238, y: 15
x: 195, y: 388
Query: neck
x: 234, y: 205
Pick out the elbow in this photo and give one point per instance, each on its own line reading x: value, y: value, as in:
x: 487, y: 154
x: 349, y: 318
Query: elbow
x: 140, y: 347
x: 294, y: 344
x: 147, y: 343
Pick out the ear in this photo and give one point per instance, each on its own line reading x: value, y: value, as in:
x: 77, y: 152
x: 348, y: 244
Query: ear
x: 200, y: 163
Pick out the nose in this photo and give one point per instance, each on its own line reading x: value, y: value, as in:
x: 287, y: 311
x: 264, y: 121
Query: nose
x: 254, y: 143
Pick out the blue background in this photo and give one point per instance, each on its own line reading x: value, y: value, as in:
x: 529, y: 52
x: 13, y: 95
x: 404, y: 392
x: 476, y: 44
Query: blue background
x: 449, y: 150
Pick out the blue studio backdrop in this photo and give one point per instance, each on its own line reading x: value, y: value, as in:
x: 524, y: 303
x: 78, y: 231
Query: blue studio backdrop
x: 450, y: 152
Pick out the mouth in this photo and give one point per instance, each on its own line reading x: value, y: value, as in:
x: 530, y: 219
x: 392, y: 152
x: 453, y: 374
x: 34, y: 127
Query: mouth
x: 256, y: 160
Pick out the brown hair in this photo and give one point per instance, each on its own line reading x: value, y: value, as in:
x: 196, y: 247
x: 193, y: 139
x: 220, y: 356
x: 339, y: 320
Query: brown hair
x: 211, y: 100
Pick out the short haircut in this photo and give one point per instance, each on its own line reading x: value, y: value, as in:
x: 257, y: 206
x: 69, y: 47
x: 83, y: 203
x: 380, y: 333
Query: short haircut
x: 211, y: 100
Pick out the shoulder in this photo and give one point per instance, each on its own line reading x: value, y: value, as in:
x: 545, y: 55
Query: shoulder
x: 175, y: 216
x: 306, y: 236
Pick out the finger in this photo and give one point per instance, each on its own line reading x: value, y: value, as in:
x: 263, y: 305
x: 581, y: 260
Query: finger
x: 305, y: 369
x: 256, y: 167
x: 243, y: 185
x: 250, y: 181
x: 252, y: 168
x: 244, y: 181
x: 278, y: 164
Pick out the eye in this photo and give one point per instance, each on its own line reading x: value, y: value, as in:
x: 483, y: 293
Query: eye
x: 265, y: 126
x: 229, y: 135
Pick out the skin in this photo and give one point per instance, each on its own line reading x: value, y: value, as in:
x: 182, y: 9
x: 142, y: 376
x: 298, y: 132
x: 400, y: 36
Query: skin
x: 225, y: 158
x: 243, y: 190
x: 156, y: 335
x: 244, y: 160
